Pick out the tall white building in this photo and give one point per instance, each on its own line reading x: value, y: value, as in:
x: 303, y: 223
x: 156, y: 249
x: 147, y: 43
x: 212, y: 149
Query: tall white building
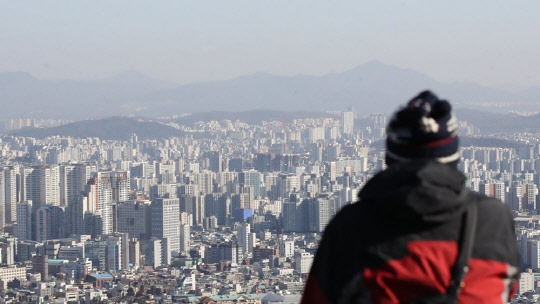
x: 165, y: 221
x: 49, y: 178
x: 347, y: 122
x: 8, y: 195
x: 246, y: 238
x: 41, y: 184
x: 526, y: 282
x: 154, y: 252
x: 121, y: 186
x: 73, y: 179
x: 104, y: 203
x: 303, y: 261
x: 316, y: 134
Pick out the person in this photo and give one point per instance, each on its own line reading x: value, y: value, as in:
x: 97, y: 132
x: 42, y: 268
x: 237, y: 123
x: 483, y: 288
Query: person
x: 417, y: 234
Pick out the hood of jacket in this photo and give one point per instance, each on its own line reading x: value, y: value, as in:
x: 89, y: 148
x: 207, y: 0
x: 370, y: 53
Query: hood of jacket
x: 425, y: 191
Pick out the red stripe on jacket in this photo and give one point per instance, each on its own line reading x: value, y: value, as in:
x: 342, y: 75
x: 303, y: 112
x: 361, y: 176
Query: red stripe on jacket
x: 427, y: 270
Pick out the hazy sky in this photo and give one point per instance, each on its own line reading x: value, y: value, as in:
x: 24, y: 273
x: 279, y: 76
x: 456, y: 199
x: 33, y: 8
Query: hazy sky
x: 488, y: 42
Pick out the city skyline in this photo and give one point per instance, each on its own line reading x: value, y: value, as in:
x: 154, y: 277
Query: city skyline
x: 206, y: 151
x: 224, y: 210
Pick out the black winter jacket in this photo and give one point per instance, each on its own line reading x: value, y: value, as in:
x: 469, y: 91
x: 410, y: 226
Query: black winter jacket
x: 399, y: 241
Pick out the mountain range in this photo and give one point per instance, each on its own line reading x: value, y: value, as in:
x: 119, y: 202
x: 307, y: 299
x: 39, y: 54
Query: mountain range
x: 112, y: 128
x: 372, y: 87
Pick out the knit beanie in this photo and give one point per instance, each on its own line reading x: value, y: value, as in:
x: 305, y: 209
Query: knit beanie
x: 425, y: 128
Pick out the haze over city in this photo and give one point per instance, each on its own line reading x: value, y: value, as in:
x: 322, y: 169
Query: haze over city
x: 486, y: 42
x: 196, y: 151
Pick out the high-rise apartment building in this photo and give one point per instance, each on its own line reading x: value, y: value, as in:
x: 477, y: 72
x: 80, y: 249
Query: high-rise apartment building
x: 218, y: 205
x: 165, y: 221
x: 522, y: 196
x: 24, y: 230
x: 252, y: 179
x: 121, y: 186
x: 50, y: 223
x: 193, y: 205
x: 320, y: 213
x: 215, y: 161
x: 73, y: 180
x: 29, y: 190
x: 289, y: 217
x: 8, y: 195
x: 494, y: 189
x: 49, y: 178
x: 246, y: 238
x: 101, y: 194
x: 347, y: 122
x: 41, y: 184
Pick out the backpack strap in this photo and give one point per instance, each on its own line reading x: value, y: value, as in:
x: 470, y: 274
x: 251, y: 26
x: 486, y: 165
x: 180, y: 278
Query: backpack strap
x: 466, y: 241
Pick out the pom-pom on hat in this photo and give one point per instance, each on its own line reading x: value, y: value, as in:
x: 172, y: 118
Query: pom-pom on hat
x: 425, y: 128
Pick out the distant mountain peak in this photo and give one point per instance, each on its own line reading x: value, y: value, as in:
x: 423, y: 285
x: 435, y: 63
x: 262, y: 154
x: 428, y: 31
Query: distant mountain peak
x: 372, y: 87
x: 376, y: 66
x: 375, y: 62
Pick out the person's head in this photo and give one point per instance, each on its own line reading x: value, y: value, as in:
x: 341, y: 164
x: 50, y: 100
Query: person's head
x: 425, y: 128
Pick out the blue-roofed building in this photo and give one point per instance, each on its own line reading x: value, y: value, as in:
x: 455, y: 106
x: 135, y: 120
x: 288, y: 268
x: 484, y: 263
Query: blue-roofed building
x: 241, y: 215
